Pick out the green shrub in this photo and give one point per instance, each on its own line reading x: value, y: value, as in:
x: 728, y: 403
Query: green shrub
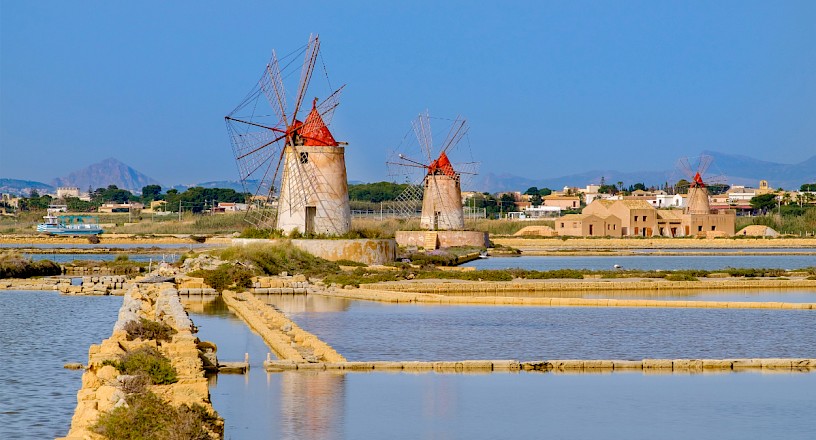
x: 350, y: 263
x: 680, y: 277
x: 226, y: 276
x: 146, y: 416
x: 273, y: 259
x: 148, y: 329
x: 147, y: 361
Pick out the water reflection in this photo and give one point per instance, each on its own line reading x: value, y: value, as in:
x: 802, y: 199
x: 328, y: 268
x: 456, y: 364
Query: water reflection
x: 330, y: 405
x: 312, y: 405
x: 305, y: 303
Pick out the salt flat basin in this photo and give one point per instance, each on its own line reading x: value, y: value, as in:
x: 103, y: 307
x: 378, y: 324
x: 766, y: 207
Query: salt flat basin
x: 367, y: 331
x: 497, y: 405
x: 646, y: 262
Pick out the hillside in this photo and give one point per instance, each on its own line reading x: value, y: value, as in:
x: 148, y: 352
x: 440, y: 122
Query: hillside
x: 737, y: 170
x: 108, y: 172
x: 18, y: 187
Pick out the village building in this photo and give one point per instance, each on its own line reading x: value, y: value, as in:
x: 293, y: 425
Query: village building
x: 588, y: 225
x: 535, y: 212
x: 156, y: 206
x: 231, y: 207
x: 562, y: 201
x: 67, y: 191
x: 638, y: 217
x: 119, y: 207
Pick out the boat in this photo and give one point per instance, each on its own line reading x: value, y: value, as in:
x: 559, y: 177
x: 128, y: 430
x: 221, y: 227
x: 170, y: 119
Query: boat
x: 69, y: 224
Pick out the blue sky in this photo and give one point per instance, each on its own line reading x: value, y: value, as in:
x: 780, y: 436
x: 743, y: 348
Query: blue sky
x: 549, y: 88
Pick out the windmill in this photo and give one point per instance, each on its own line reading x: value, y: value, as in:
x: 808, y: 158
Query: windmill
x: 698, y: 187
x: 434, y: 182
x: 297, y: 164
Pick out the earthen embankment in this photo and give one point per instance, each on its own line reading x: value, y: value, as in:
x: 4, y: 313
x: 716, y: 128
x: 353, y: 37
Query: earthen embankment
x: 105, y: 388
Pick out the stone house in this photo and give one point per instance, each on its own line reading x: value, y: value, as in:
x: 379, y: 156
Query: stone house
x: 638, y: 217
x: 588, y: 225
x: 562, y: 201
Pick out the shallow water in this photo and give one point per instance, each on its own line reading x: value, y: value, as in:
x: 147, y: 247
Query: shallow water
x: 366, y: 331
x: 646, y: 262
x: 40, y: 332
x: 331, y: 405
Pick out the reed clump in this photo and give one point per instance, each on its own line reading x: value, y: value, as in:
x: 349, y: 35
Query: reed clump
x: 14, y: 265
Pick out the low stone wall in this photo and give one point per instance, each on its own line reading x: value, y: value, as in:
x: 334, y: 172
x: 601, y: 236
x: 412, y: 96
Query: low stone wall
x: 87, y: 285
x: 444, y: 238
x: 289, y: 342
x: 370, y: 294
x: 366, y: 251
x: 102, y: 385
x: 652, y: 243
x: 296, y: 284
x: 100, y: 270
x: 500, y: 288
x: 647, y: 366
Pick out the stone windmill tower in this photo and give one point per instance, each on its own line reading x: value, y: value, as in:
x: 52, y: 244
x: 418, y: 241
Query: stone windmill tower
x: 435, y: 183
x: 697, y: 201
x: 298, y: 167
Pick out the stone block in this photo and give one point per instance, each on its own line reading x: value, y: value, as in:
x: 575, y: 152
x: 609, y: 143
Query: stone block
x: 506, y: 365
x: 717, y: 364
x: 417, y: 365
x: 777, y: 364
x: 627, y: 365
x: 654, y: 364
x: 598, y: 364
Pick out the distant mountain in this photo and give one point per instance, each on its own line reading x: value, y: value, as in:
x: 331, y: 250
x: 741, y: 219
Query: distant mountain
x: 108, y: 172
x: 744, y: 170
x: 23, y: 187
x: 737, y: 170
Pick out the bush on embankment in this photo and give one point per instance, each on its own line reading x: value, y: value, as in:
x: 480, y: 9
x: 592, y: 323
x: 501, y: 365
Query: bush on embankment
x: 14, y: 265
x: 146, y: 361
x: 146, y: 416
x: 226, y: 276
x: 147, y: 329
x: 276, y: 258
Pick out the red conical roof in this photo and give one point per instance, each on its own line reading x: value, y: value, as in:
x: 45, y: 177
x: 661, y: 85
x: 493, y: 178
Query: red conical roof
x: 698, y: 180
x: 442, y: 165
x: 314, y: 130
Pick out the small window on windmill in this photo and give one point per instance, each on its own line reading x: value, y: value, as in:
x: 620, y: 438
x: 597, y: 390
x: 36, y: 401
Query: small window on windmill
x: 304, y: 157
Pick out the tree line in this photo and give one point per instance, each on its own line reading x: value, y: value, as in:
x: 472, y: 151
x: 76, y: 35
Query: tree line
x: 195, y: 199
